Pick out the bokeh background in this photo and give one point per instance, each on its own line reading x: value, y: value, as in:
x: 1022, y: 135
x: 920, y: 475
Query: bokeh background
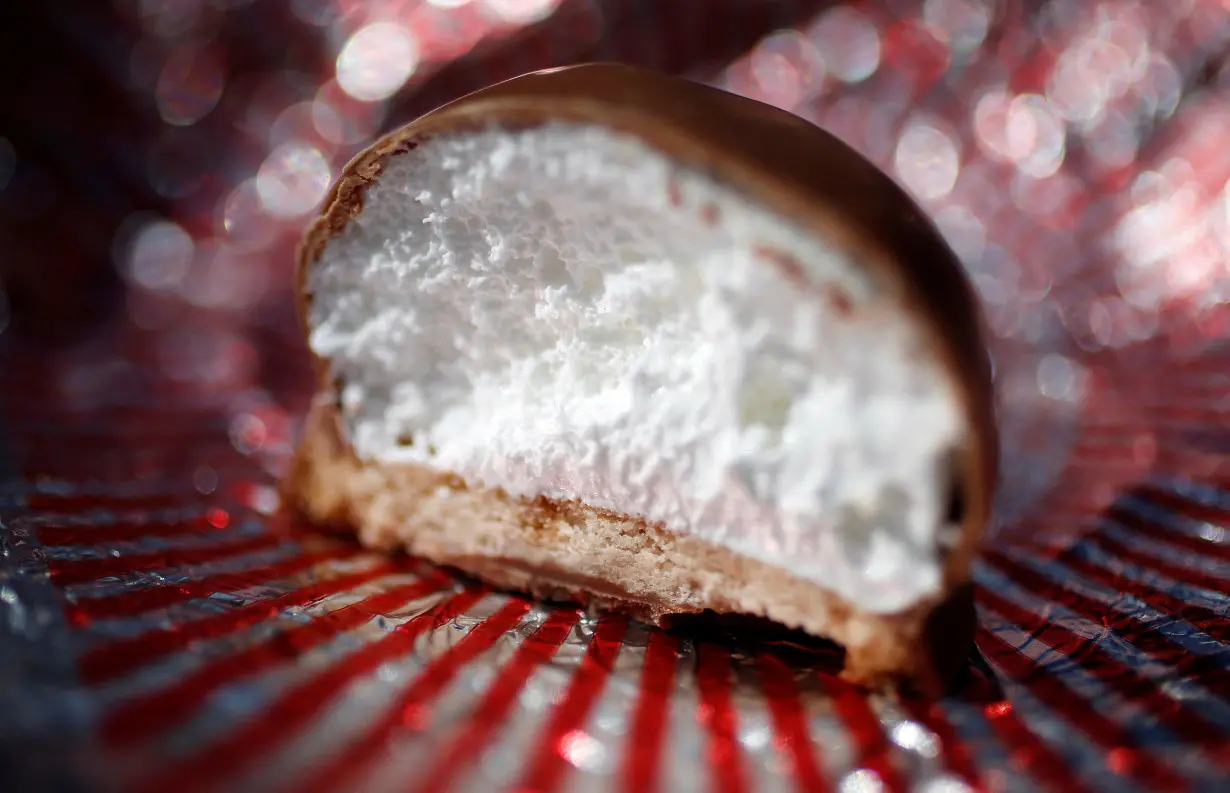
x: 159, y: 158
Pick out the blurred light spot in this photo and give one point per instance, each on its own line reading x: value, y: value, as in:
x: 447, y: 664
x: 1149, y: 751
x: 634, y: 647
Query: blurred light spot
x: 1140, y: 325
x: 389, y: 673
x: 208, y: 355
x: 991, y: 124
x: 1035, y: 136
x: 318, y: 13
x: 340, y: 119
x: 961, y: 24
x: 755, y: 735
x: 1128, y: 44
x: 145, y: 64
x: 861, y: 781
x: 919, y: 56
x: 224, y: 278
x: 377, y: 61
x: 964, y: 232
x: 1060, y: 378
x: 97, y: 378
x: 1157, y: 230
x: 998, y: 710
x: 247, y: 433
x: 159, y: 255
x: 1138, y: 287
x: 866, y: 125
x: 1112, y: 323
x: 1149, y: 186
x: 914, y: 737
x: 1021, y: 130
x: 1195, y: 269
x: 581, y: 750
x: 205, y: 479
x: 1113, y: 141
x: 1225, y: 215
x: 188, y: 86
x: 522, y: 12
x: 1121, y: 760
x: 265, y: 500
x: 295, y: 122
x: 787, y: 69
x: 260, y: 98
x: 169, y: 18
x: 1212, y: 533
x: 1205, y: 138
x: 950, y: 784
x: 1161, y: 86
x: 1051, y: 199
x: 927, y: 160
x: 8, y: 162
x: 848, y: 43
x: 997, y: 276
x: 1042, y: 324
x: 327, y: 122
x: 292, y: 180
x: 244, y: 220
x: 1102, y: 322
x: 1075, y: 89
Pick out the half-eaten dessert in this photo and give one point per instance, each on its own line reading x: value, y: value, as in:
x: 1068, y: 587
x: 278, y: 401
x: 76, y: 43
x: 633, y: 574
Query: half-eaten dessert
x: 606, y: 335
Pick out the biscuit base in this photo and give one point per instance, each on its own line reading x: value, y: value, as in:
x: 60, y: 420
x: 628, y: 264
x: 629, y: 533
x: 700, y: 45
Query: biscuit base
x: 570, y: 551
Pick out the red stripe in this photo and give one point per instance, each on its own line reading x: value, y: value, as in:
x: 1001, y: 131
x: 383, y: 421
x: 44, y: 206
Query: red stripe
x: 116, y: 659
x: 467, y: 745
x: 159, y: 596
x: 64, y: 504
x: 1185, y: 542
x: 142, y: 717
x: 643, y: 758
x: 1207, y: 620
x: 1209, y: 670
x: 548, y: 766
x: 66, y: 572
x: 1189, y: 409
x: 1076, y: 710
x: 1186, y: 575
x: 53, y: 535
x: 793, y: 737
x: 73, y: 532
x: 409, y: 714
x: 1029, y: 754
x: 871, y: 745
x: 954, y: 752
x: 115, y: 457
x: 717, y: 714
x: 286, y: 716
x: 1101, y: 665
x: 90, y: 502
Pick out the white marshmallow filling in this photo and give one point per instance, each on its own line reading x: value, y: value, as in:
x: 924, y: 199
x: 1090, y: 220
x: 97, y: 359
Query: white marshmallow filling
x: 563, y: 311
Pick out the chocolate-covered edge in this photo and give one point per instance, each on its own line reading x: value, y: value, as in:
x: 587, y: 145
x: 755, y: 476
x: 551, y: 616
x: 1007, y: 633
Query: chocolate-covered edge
x: 784, y: 162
